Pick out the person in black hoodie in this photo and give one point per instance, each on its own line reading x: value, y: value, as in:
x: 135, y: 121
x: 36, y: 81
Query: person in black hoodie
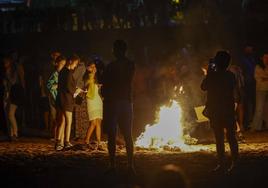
x: 220, y: 85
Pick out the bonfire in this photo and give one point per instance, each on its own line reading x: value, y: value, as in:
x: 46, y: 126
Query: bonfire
x: 167, y: 133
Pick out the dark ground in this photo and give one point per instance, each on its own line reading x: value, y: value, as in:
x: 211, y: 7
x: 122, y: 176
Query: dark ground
x: 34, y: 163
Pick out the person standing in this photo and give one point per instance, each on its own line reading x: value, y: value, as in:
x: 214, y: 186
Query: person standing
x: 52, y: 86
x: 240, y: 84
x: 261, y: 76
x: 13, y: 94
x: 118, y: 107
x: 247, y: 64
x: 94, y: 104
x: 46, y: 70
x: 220, y: 86
x: 80, y: 110
x: 65, y: 103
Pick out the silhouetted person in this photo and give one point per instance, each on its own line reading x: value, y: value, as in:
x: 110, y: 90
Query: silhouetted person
x: 221, y: 88
x: 118, y: 108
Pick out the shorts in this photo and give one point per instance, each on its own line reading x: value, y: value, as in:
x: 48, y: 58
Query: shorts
x: 119, y: 113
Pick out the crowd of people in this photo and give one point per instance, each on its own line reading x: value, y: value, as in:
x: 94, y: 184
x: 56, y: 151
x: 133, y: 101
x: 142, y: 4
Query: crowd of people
x: 104, y: 93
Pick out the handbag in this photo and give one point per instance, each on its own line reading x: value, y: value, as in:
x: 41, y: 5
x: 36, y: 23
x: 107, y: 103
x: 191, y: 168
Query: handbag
x: 79, y: 99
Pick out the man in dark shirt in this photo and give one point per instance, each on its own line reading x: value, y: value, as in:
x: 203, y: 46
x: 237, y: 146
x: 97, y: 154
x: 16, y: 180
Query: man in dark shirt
x: 118, y: 108
x: 221, y: 93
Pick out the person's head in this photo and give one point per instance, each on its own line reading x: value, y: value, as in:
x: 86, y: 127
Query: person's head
x: 73, y: 62
x: 119, y: 48
x: 170, y: 176
x: 54, y: 55
x: 248, y: 49
x: 60, y: 62
x: 222, y: 60
x: 91, y: 67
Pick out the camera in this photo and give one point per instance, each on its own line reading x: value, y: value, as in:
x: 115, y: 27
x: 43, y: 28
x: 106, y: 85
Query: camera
x: 212, y: 67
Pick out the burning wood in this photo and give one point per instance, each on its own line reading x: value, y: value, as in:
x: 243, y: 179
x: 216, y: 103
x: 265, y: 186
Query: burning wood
x: 167, y: 132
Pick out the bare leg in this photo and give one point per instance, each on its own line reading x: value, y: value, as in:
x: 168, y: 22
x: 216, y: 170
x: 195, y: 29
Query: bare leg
x: 61, y: 131
x: 60, y: 127
x: 92, y: 125
x: 68, y: 119
x: 13, y: 121
x: 237, y: 127
x: 98, y: 130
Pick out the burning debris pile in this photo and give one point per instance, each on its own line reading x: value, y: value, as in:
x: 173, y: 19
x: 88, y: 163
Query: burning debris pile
x: 167, y: 133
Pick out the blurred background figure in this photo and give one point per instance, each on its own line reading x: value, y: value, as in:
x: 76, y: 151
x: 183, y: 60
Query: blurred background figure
x: 261, y: 76
x: 13, y: 79
x: 247, y: 64
x: 170, y: 176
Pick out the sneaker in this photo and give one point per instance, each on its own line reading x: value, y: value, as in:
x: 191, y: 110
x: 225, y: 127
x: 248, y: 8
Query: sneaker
x: 68, y: 145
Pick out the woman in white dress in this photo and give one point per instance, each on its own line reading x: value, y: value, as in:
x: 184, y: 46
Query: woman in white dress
x: 94, y: 104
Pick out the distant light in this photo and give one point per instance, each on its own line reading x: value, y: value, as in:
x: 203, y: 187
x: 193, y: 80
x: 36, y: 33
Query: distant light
x: 176, y: 1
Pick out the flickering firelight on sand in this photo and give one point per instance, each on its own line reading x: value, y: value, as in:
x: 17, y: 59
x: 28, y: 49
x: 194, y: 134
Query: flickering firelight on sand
x: 167, y: 132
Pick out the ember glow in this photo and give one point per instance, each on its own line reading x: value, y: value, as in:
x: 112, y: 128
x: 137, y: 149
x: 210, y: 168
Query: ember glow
x: 167, y: 132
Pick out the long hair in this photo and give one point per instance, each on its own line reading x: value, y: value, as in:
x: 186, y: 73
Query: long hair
x: 73, y: 58
x: 59, y: 59
x: 88, y: 62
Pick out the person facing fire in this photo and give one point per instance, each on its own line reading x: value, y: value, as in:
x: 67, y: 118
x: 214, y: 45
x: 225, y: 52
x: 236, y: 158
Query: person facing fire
x: 118, y: 108
x: 220, y: 85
